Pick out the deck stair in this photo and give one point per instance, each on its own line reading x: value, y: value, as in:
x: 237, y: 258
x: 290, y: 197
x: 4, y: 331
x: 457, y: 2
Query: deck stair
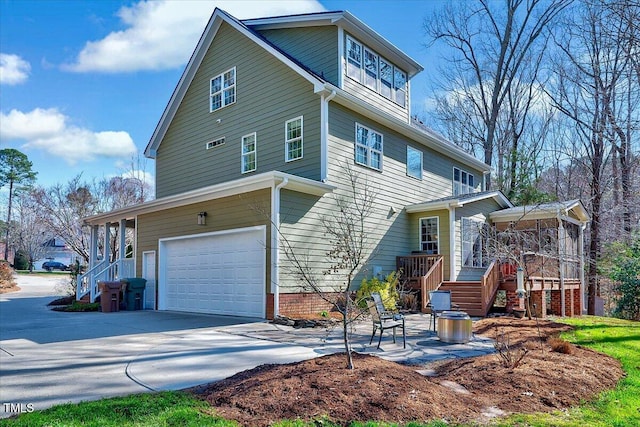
x: 466, y: 295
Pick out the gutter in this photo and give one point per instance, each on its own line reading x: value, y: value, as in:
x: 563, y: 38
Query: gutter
x: 275, y: 244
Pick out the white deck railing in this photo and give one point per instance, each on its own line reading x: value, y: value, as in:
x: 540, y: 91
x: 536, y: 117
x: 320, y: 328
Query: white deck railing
x: 103, y: 272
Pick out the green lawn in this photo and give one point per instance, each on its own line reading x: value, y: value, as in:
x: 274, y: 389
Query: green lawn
x: 615, y: 408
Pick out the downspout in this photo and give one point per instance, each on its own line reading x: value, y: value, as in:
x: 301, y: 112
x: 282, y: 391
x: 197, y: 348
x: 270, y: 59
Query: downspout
x: 324, y: 135
x: 275, y: 244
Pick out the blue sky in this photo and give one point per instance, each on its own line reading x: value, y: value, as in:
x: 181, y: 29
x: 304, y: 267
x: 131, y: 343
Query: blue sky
x: 84, y: 83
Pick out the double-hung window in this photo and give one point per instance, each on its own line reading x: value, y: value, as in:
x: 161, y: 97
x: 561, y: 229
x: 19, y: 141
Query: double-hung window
x: 473, y: 243
x: 222, y: 90
x: 400, y: 86
x: 354, y: 59
x: 293, y: 139
x: 386, y: 78
x: 249, y: 153
x: 463, y: 182
x: 370, y: 69
x: 429, y: 235
x: 368, y: 147
x: 414, y: 162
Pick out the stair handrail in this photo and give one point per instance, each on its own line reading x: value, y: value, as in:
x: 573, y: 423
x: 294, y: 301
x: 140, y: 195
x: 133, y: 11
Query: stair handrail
x: 431, y: 281
x: 99, y: 271
x: 490, y: 282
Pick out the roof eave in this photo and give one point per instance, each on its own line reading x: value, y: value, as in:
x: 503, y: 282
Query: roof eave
x: 238, y: 186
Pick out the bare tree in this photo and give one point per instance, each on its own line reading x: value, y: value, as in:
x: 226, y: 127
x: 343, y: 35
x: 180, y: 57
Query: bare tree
x: 350, y: 248
x: 497, y: 52
x: 31, y: 232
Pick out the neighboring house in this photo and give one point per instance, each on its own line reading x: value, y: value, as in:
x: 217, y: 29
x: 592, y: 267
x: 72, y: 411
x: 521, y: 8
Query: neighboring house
x: 56, y: 250
x: 256, y: 137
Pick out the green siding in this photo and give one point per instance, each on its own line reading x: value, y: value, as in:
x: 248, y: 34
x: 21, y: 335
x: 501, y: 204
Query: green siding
x: 444, y: 247
x: 314, y: 47
x: 248, y: 210
x: 267, y: 94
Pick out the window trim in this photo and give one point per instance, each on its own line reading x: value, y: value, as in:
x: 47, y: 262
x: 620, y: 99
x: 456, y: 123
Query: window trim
x: 464, y: 188
x: 421, y: 162
x: 368, y: 148
x: 222, y: 90
x: 289, y: 141
x: 215, y: 143
x: 254, y: 152
x: 437, y: 241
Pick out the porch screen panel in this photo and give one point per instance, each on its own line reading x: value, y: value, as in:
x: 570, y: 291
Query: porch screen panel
x: 473, y: 246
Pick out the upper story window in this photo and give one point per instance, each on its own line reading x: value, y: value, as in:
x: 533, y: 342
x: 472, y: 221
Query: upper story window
x: 223, y: 90
x: 463, y: 182
x: 293, y: 139
x: 249, y: 153
x: 368, y: 147
x: 414, y: 162
x: 429, y: 235
x: 367, y: 67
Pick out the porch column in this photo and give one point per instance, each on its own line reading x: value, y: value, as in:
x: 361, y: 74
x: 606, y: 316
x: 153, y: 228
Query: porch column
x: 107, y: 242
x: 561, y: 243
x: 122, y: 229
x: 452, y: 242
x: 581, y: 259
x: 93, y: 247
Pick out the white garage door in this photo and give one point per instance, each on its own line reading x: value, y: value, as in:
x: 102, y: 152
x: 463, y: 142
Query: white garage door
x: 214, y: 273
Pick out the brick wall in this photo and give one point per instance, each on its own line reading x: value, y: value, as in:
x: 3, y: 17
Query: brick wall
x: 298, y: 305
x: 571, y: 302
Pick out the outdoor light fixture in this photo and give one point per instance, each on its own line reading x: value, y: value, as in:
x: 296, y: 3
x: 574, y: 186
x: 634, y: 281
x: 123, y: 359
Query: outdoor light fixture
x: 202, y: 218
x: 520, y: 281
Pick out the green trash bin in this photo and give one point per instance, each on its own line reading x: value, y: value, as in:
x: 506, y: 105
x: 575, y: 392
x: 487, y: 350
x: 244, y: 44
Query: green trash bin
x: 134, y: 292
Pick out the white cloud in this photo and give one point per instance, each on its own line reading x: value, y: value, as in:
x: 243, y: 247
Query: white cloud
x: 50, y: 131
x: 13, y: 69
x: 162, y: 34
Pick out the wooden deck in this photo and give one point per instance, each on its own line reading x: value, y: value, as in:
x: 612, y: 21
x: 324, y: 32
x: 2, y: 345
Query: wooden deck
x: 424, y: 273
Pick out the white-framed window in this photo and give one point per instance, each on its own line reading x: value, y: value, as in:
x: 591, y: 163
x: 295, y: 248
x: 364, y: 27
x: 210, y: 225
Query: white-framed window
x: 354, y: 59
x: 293, y: 149
x: 367, y: 67
x: 429, y: 242
x: 400, y: 86
x: 473, y: 243
x: 414, y: 162
x: 368, y: 147
x: 249, y: 162
x: 463, y: 182
x: 215, y: 143
x: 386, y: 79
x: 222, y: 90
x: 370, y: 69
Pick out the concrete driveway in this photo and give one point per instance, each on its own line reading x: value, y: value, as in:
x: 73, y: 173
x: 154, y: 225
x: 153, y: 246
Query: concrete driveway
x: 49, y: 357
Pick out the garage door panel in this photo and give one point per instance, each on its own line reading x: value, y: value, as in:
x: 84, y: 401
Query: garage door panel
x: 216, y: 274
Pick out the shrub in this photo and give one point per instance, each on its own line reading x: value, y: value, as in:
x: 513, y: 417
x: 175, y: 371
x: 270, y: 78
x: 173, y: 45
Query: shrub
x: 387, y: 288
x: 6, y: 275
x: 560, y: 346
x: 21, y: 261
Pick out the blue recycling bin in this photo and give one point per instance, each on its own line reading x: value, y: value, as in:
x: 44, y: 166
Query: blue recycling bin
x: 134, y: 292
